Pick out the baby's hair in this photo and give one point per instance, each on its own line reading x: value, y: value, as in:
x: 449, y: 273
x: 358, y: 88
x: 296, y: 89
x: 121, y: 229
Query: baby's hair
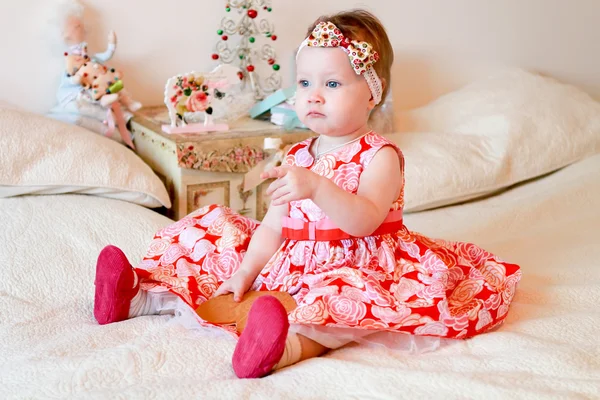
x: 362, y: 25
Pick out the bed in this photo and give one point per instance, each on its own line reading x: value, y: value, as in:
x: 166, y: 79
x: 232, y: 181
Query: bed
x: 518, y: 176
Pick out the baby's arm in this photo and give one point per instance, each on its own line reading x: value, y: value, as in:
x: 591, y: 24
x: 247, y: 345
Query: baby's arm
x: 264, y: 243
x: 379, y: 186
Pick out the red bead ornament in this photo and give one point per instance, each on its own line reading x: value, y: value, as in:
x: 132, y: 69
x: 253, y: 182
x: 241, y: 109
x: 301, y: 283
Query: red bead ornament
x: 215, y: 56
x: 252, y: 13
x: 240, y: 75
x: 250, y: 68
x: 224, y: 37
x: 271, y: 61
x: 273, y: 37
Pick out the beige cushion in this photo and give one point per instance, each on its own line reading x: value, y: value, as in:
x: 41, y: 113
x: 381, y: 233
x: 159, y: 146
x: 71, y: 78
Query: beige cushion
x: 491, y: 134
x: 39, y: 155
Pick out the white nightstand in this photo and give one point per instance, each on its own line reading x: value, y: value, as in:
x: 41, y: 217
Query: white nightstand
x: 204, y: 169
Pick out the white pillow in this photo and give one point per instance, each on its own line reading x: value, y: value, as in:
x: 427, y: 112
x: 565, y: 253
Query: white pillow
x: 494, y: 133
x: 39, y: 155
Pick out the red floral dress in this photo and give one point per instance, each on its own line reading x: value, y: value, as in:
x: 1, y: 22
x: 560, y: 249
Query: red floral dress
x: 399, y: 281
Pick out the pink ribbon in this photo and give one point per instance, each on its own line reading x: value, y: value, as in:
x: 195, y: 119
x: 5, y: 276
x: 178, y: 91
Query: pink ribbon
x: 325, y: 229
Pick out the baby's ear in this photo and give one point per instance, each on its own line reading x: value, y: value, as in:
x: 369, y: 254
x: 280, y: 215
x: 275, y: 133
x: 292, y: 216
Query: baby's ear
x: 372, y: 104
x: 383, y: 84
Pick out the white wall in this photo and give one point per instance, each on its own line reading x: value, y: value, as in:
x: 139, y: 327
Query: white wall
x: 439, y: 44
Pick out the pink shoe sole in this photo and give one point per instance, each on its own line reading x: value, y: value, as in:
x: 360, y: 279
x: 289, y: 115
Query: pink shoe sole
x: 262, y: 343
x: 114, y: 286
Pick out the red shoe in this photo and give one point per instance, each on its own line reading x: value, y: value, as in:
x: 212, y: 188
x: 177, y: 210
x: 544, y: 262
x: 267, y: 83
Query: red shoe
x: 262, y: 343
x: 115, y: 286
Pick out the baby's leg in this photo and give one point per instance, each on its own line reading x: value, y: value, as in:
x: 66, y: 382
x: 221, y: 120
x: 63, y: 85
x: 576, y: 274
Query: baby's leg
x: 152, y: 303
x: 116, y: 285
x: 265, y: 344
x: 299, y: 348
x: 118, y: 295
x: 310, y: 348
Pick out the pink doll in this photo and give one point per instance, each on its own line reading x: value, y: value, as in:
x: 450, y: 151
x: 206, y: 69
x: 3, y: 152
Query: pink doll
x: 74, y: 104
x: 107, y: 87
x: 75, y: 62
x: 333, y: 238
x: 87, y: 73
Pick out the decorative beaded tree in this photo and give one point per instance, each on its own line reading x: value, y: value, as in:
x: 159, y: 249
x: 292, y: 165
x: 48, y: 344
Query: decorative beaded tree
x: 245, y: 52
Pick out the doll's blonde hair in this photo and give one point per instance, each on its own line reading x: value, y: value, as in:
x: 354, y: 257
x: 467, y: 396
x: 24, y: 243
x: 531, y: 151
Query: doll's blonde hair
x: 362, y: 25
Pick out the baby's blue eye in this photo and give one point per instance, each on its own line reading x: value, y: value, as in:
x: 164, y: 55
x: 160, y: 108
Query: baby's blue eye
x: 333, y: 84
x: 303, y: 83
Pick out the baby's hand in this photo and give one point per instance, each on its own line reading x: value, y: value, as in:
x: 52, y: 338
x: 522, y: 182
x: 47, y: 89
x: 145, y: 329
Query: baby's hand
x: 293, y: 183
x: 238, y: 284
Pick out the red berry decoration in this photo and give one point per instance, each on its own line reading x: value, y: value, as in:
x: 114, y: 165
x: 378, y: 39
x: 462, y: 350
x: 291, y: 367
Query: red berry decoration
x: 240, y: 75
x: 224, y: 37
x: 252, y: 13
x: 273, y: 37
x: 250, y: 68
x: 271, y: 61
x: 215, y: 56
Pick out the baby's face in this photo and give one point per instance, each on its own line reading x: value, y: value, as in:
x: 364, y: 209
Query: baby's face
x: 331, y: 99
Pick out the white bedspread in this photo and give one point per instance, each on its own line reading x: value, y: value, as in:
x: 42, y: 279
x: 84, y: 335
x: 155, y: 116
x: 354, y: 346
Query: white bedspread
x: 51, y: 346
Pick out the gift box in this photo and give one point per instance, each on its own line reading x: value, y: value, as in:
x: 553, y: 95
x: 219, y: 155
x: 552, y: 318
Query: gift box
x: 272, y: 100
x: 285, y: 115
